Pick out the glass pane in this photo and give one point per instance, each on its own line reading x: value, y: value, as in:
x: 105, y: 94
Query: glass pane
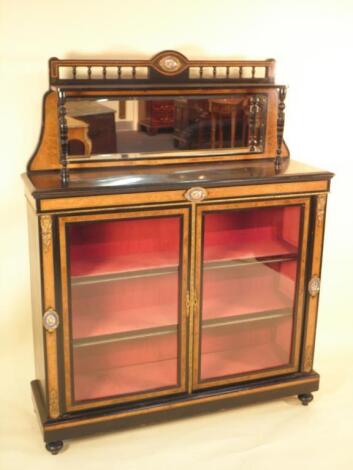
x: 140, y: 128
x: 124, y: 290
x: 250, y: 260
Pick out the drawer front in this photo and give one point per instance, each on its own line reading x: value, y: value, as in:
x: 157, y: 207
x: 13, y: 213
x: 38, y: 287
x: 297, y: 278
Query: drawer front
x: 167, y: 105
x: 163, y: 118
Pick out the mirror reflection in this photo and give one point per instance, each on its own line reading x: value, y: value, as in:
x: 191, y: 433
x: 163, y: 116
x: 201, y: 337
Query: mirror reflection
x: 139, y: 128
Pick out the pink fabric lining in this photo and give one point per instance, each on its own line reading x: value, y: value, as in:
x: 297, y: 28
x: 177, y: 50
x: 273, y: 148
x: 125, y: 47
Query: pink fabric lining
x: 122, y: 367
x: 244, y: 348
x: 124, y: 245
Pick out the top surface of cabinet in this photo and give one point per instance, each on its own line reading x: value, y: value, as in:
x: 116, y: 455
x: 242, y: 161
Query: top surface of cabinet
x: 120, y: 180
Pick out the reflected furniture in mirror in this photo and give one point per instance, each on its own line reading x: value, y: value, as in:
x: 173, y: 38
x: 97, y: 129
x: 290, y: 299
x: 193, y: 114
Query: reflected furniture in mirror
x: 100, y: 122
x: 175, y: 247
x: 78, y: 137
x: 233, y: 110
x: 165, y: 128
x: 155, y: 115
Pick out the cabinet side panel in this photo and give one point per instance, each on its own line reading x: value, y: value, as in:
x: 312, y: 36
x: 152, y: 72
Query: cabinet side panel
x: 36, y: 298
x: 314, y: 277
x: 49, y: 303
x: 46, y: 155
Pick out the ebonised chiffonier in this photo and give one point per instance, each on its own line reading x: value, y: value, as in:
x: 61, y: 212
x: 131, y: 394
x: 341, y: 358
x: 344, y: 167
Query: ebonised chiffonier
x: 181, y: 273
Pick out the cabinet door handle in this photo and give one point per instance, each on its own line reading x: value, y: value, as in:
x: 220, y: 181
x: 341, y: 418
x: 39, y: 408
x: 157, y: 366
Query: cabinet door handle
x: 196, y: 304
x: 187, y: 304
x: 191, y: 308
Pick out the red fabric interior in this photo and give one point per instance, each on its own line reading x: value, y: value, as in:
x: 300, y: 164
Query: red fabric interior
x: 124, y: 245
x: 133, y: 244
x: 248, y: 289
x: 123, y: 367
x: 245, y: 347
x: 124, y: 305
x: 248, y: 234
x: 252, y: 233
x: 133, y: 365
x: 140, y: 303
x: 137, y: 365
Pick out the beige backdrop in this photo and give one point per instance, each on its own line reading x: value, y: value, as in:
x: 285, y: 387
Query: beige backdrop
x: 312, y: 42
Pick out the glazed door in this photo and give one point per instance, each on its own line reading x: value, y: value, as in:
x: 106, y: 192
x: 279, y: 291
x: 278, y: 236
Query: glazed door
x: 250, y: 264
x: 124, y: 291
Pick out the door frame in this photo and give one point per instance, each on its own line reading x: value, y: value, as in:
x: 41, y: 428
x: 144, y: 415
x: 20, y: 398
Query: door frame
x: 121, y: 214
x: 298, y: 309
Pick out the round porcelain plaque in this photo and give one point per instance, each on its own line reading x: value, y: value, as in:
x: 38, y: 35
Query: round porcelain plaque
x: 314, y: 286
x: 170, y: 63
x: 51, y: 320
x: 196, y: 194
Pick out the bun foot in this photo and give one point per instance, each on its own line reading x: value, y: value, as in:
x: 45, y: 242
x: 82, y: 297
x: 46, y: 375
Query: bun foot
x: 306, y: 398
x: 54, y: 447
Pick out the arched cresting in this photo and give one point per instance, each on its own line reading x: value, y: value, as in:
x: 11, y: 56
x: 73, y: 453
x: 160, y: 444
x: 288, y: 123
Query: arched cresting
x: 167, y: 65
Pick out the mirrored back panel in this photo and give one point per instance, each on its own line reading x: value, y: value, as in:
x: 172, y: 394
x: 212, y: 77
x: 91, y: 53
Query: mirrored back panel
x: 140, y: 128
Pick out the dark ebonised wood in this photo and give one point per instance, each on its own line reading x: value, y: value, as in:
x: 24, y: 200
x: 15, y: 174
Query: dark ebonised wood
x: 54, y: 447
x: 164, y: 178
x: 306, y: 398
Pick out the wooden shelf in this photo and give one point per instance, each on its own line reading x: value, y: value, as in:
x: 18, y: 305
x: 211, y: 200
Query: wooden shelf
x: 130, y: 304
x: 123, y: 275
x: 251, y: 317
x: 97, y: 377
x: 90, y: 266
x: 231, y: 349
x: 125, y: 336
x: 250, y: 288
x: 173, y: 329
x: 123, y: 367
x: 241, y: 262
x: 115, y: 250
x: 163, y: 270
x: 231, y: 289
x: 248, y: 250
